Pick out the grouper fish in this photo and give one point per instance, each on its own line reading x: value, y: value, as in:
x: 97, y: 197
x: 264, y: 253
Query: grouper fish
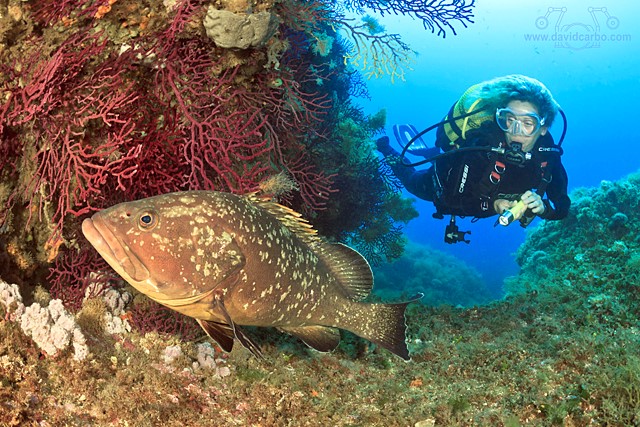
x: 233, y: 260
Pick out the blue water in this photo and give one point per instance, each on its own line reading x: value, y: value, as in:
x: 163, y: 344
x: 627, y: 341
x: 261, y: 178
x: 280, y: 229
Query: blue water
x: 595, y: 76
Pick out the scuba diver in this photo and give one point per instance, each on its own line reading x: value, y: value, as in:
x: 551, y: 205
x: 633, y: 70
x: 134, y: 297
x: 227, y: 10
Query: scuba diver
x: 498, y: 156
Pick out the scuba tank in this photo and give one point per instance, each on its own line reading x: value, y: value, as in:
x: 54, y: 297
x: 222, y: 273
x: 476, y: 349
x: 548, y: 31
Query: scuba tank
x: 467, y: 113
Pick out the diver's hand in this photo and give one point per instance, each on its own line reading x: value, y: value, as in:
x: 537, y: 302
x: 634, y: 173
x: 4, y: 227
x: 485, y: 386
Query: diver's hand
x: 501, y: 205
x: 533, y: 202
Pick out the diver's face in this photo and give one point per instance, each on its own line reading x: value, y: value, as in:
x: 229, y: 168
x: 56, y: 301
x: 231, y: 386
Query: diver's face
x: 522, y: 109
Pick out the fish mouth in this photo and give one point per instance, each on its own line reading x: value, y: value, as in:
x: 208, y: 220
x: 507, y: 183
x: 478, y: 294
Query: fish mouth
x: 116, y: 253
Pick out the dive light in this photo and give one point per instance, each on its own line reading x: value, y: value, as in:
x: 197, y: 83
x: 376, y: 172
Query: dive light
x: 509, y: 215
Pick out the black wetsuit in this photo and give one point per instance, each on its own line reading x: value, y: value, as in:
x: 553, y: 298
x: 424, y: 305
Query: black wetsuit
x: 459, y: 183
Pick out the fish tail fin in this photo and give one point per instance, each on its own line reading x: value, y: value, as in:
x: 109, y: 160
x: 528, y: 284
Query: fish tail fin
x: 386, y: 326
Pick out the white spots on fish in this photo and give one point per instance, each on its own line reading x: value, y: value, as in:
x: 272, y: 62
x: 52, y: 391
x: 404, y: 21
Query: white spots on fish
x: 241, y: 239
x: 268, y: 291
x: 162, y: 242
x: 187, y: 200
x: 226, y: 237
x: 284, y: 294
x: 176, y: 212
x: 224, y: 211
x: 182, y: 245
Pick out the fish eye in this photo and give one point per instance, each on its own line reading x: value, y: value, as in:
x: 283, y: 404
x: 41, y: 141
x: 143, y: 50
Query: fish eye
x: 147, y: 220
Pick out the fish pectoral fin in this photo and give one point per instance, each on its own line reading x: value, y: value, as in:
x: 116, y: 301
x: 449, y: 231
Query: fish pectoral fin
x: 219, y: 332
x: 247, y: 342
x: 321, y: 338
x: 237, y: 331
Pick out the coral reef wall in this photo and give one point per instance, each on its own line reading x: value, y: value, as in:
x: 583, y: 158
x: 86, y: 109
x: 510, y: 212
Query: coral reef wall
x: 104, y: 101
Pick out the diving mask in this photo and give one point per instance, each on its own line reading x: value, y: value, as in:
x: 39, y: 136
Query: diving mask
x: 518, y: 123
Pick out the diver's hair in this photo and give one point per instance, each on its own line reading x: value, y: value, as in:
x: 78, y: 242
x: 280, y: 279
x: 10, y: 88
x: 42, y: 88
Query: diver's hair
x: 496, y: 93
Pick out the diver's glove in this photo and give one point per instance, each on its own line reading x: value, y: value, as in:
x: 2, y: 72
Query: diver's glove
x: 383, y: 146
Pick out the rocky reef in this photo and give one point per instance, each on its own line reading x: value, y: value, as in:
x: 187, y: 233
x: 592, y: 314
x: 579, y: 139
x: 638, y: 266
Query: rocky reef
x: 561, y: 349
x: 441, y: 278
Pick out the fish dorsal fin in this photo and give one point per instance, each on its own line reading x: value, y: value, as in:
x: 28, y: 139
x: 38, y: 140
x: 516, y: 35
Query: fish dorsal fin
x: 219, y: 332
x: 287, y: 216
x: 351, y: 269
x: 321, y: 338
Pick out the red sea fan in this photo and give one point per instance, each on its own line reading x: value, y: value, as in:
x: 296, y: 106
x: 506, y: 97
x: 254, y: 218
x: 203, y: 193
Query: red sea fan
x: 49, y: 12
x: 222, y: 140
x: 79, y: 117
x: 153, y: 317
x: 73, y: 272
